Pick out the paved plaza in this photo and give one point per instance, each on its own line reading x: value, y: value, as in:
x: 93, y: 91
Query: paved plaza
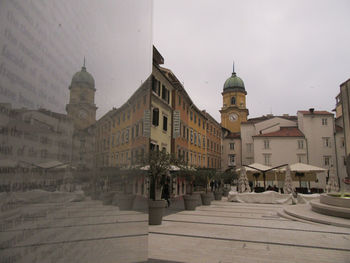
x: 88, y: 231
x: 237, y: 232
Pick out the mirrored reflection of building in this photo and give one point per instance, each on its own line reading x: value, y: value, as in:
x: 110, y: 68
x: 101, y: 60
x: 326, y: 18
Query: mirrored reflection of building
x: 48, y: 110
x: 81, y: 110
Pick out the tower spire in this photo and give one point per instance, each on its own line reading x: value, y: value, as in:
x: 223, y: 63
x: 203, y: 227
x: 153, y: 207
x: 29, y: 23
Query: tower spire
x: 84, y: 68
x: 233, y: 67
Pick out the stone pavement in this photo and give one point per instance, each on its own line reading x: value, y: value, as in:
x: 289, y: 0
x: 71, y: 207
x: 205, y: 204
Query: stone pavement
x: 237, y: 232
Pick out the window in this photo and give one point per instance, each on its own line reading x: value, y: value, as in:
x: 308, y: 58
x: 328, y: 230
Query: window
x: 199, y: 122
x: 300, y: 144
x: 165, y: 123
x: 266, y: 144
x: 301, y: 158
x: 326, y: 142
x: 231, y: 159
x: 191, y: 115
x: 191, y: 137
x: 195, y: 118
x: 155, y: 117
x: 179, y: 99
x: 233, y: 101
x: 326, y: 160
x: 132, y: 133
x: 203, y: 142
x: 155, y: 86
x: 152, y: 146
x: 195, y: 138
x: 127, y: 136
x: 267, y: 159
x: 137, y: 130
x: 199, y: 140
x: 324, y: 121
x: 249, y: 147
x: 184, y: 132
x: 164, y: 92
x: 232, y: 146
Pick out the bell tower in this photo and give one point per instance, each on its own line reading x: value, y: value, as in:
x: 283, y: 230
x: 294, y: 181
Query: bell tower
x: 233, y: 111
x: 81, y: 107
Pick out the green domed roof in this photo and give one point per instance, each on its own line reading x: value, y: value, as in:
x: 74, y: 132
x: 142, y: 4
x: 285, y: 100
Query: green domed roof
x: 234, y: 83
x: 84, y: 77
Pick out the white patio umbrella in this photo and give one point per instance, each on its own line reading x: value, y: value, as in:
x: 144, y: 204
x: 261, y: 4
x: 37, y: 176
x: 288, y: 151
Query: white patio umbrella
x: 304, y: 168
x: 255, y: 167
x: 172, y: 168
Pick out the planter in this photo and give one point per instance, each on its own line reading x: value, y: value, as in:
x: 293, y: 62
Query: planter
x: 225, y: 192
x: 206, y: 198
x: 191, y: 202
x: 123, y: 201
x: 95, y: 195
x: 155, y: 211
x: 107, y: 197
x: 197, y: 196
x: 218, y: 195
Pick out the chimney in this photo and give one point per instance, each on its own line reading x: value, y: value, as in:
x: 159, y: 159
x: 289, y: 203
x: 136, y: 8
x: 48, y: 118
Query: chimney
x: 311, y: 110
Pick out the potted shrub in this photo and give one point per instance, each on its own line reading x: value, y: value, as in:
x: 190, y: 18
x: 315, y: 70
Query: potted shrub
x: 219, y: 186
x: 228, y: 178
x: 202, y: 178
x: 190, y: 200
x: 158, y: 168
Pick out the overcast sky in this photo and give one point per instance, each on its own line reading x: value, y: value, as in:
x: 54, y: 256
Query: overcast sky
x: 291, y: 55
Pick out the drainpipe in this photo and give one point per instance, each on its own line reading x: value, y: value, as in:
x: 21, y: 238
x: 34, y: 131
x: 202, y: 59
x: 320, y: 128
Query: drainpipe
x: 336, y: 154
x: 307, y: 150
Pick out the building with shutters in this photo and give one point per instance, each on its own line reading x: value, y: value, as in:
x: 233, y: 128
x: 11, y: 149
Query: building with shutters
x: 160, y: 115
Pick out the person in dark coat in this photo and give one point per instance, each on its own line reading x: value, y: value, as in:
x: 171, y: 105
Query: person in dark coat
x: 166, y: 192
x: 212, y: 185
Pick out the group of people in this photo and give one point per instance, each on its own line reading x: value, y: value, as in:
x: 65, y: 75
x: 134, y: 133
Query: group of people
x: 215, y: 184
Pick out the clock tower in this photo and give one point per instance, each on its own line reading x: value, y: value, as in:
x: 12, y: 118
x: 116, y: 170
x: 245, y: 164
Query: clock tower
x: 81, y: 107
x: 233, y: 110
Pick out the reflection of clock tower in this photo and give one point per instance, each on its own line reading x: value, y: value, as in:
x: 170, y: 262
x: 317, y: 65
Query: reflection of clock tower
x: 81, y: 108
x: 233, y: 110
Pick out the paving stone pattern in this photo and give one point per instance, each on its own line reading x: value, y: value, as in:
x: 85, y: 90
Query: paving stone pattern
x: 236, y: 232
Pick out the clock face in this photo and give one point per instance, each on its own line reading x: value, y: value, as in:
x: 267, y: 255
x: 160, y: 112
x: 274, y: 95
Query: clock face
x: 83, y: 114
x: 233, y: 117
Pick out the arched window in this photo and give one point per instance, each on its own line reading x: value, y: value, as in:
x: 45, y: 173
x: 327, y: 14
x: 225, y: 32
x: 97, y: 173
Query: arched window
x: 233, y: 101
